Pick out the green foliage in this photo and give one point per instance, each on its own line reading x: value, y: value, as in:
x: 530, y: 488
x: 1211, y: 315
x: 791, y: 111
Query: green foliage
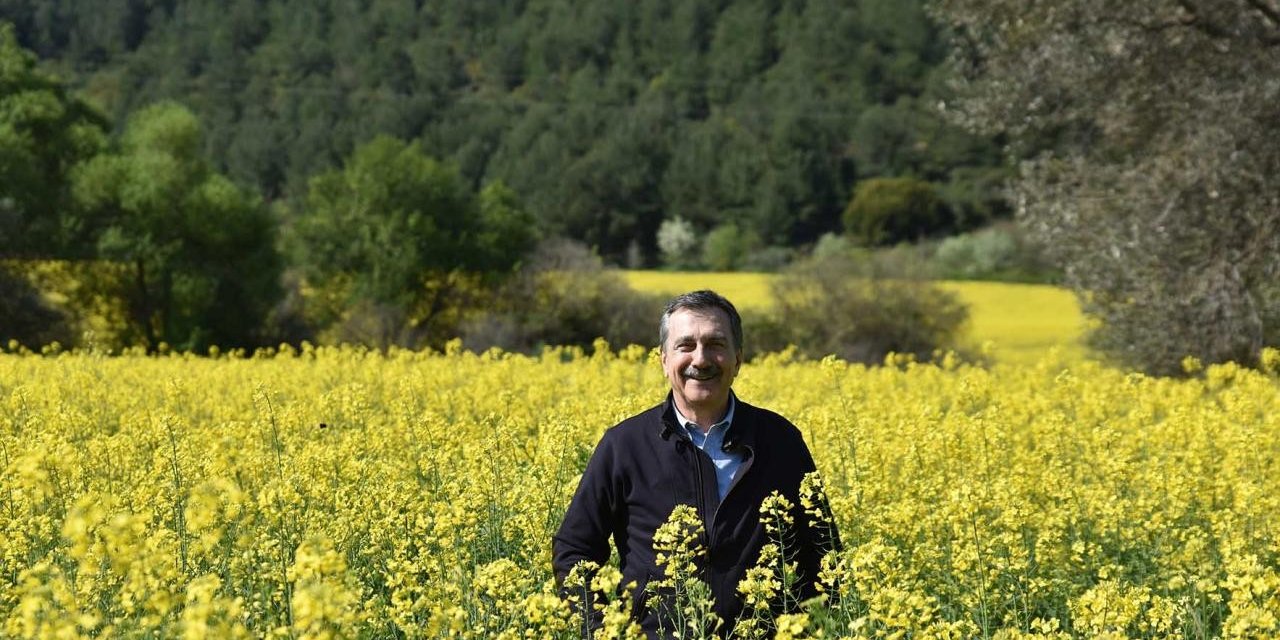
x: 507, y: 230
x: 892, y: 210
x: 606, y: 117
x: 912, y: 138
x: 728, y: 247
x: 389, y: 216
x: 44, y: 133
x: 977, y: 255
x: 832, y: 245
x: 976, y: 196
x: 999, y: 252
x: 201, y: 251
x: 768, y: 259
x: 843, y: 306
x: 394, y: 231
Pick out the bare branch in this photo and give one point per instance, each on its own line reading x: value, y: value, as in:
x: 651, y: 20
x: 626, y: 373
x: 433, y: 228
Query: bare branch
x: 1194, y: 19
x: 1269, y: 12
x: 1197, y: 21
x: 1161, y: 25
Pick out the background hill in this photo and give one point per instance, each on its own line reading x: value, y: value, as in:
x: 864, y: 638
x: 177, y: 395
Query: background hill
x: 379, y: 171
x: 605, y: 117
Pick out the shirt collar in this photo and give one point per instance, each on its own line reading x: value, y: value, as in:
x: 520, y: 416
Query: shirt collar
x: 724, y: 422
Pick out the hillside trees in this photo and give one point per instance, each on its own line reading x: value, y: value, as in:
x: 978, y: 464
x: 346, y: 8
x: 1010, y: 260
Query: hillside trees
x: 44, y: 133
x: 607, y: 117
x: 1155, y: 176
x: 198, y: 251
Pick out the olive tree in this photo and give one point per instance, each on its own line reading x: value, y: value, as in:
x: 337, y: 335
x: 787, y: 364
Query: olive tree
x: 1150, y: 171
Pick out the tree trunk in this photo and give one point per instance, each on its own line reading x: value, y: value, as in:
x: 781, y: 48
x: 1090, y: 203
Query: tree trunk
x: 141, y: 307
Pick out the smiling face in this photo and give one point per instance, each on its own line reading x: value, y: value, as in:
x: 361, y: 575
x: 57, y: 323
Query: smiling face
x: 700, y: 360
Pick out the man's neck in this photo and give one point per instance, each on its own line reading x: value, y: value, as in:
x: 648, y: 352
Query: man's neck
x: 704, y: 417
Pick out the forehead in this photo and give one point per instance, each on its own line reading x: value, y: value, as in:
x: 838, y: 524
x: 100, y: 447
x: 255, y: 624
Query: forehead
x: 694, y: 322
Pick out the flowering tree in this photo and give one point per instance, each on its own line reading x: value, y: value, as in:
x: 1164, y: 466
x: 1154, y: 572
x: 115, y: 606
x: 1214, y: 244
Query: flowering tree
x: 677, y: 240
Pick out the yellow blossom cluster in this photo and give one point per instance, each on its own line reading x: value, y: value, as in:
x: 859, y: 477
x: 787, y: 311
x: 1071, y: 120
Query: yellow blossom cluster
x: 342, y: 492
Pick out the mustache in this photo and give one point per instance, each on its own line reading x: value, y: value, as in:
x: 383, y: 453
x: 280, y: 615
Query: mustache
x: 709, y: 371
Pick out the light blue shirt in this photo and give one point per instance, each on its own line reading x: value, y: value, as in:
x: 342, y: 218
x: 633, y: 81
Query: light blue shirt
x: 711, y: 443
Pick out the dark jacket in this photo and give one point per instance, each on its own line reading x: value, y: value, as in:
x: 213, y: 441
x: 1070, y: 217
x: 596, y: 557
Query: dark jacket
x: 646, y: 465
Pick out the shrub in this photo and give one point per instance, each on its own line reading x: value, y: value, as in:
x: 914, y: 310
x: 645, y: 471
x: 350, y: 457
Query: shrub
x: 564, y: 296
x: 79, y: 303
x: 831, y: 245
x: 768, y: 259
x: 26, y: 317
x: 891, y: 210
x: 976, y: 255
x: 998, y: 252
x: 444, y: 301
x: 843, y: 306
x: 728, y: 246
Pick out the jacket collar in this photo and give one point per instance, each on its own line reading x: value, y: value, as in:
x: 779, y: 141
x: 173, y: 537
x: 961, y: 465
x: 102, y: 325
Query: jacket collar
x: 742, y: 431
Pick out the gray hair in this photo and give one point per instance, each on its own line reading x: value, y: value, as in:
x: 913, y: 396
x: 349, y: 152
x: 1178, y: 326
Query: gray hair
x: 701, y: 300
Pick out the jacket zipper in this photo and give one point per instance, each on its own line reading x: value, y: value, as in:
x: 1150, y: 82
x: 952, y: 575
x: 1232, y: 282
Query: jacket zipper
x: 701, y: 506
x: 702, y: 498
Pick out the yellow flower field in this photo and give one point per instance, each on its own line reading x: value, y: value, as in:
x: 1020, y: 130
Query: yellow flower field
x: 341, y: 493
x: 1015, y: 322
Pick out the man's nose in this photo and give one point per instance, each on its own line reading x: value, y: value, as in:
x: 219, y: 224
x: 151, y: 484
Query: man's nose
x: 699, y: 355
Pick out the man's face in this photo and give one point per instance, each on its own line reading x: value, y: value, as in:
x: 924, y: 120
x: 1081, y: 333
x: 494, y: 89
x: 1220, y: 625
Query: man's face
x: 699, y: 357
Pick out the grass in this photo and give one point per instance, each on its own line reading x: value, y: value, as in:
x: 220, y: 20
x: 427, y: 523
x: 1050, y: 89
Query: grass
x: 1018, y: 323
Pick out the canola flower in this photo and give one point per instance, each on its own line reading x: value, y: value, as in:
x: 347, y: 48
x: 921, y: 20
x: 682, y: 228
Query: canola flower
x: 681, y: 597
x: 339, y: 492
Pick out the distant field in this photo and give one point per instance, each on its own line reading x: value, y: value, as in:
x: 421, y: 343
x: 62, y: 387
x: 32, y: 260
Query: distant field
x: 1022, y: 322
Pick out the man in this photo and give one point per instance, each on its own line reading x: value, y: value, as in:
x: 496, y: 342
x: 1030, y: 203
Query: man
x: 702, y: 446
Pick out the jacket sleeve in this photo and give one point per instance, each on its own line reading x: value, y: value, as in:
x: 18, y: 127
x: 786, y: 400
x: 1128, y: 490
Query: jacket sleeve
x: 592, y: 515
